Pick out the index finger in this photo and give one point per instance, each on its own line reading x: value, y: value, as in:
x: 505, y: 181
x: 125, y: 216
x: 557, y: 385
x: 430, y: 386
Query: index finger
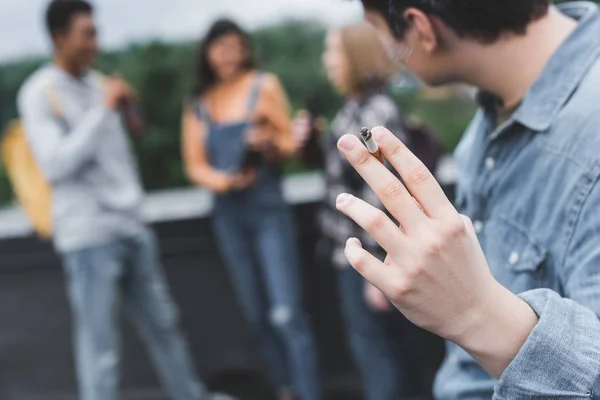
x: 419, y: 180
x: 392, y: 193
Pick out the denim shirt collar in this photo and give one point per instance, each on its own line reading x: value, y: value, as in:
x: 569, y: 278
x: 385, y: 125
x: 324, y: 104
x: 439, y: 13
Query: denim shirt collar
x: 570, y: 62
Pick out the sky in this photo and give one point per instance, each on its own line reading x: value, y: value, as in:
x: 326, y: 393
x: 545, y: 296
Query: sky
x: 122, y: 22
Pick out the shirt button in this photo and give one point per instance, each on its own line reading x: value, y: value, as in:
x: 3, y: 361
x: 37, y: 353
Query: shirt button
x: 478, y: 225
x: 490, y: 163
x: 514, y: 258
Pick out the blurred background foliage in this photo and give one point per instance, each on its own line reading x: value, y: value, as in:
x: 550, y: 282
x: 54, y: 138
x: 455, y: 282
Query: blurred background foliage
x: 163, y: 75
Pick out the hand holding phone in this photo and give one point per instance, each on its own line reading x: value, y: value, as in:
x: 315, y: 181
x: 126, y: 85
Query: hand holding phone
x: 116, y: 91
x: 260, y: 143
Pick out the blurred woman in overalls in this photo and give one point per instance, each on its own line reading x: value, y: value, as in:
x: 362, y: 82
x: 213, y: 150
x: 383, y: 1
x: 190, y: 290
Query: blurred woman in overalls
x: 236, y: 130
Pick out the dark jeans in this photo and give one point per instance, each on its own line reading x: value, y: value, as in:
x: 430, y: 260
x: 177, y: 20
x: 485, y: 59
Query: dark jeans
x: 384, y: 344
x: 260, y: 248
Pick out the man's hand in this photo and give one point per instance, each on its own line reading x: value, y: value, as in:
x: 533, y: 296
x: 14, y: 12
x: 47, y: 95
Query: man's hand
x: 116, y: 92
x: 435, y: 273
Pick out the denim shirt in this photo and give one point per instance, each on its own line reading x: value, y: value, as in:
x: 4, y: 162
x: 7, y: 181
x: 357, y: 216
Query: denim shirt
x: 530, y: 187
x: 561, y: 357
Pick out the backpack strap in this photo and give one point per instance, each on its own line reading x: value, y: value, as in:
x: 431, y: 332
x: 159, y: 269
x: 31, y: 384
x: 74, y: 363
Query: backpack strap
x: 54, y: 99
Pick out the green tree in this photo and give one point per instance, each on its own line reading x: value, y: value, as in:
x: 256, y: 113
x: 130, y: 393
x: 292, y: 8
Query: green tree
x: 163, y: 75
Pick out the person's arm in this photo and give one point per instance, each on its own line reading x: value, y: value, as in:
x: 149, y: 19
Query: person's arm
x: 197, y: 167
x: 560, y: 356
x: 435, y: 272
x: 563, y: 351
x: 538, y: 345
x: 274, y: 106
x: 60, y: 151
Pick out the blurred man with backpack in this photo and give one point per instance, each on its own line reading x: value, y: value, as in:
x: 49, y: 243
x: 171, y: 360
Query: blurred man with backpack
x: 72, y: 119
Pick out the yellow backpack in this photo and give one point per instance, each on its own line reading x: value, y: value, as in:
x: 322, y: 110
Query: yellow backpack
x: 32, y: 190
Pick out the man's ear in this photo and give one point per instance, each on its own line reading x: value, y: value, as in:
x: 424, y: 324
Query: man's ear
x: 424, y: 30
x: 58, y: 38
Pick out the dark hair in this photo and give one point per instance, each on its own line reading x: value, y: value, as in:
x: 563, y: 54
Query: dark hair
x: 483, y: 20
x: 205, y: 75
x: 60, y: 13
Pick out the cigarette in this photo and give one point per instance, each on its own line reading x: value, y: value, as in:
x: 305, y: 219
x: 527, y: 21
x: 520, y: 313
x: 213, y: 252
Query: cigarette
x: 371, y: 144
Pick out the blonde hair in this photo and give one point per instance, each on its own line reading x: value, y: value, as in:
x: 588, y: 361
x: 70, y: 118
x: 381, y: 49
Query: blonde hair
x: 369, y: 62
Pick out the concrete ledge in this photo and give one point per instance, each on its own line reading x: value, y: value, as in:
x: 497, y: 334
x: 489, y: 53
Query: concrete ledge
x: 176, y: 204
x: 189, y: 203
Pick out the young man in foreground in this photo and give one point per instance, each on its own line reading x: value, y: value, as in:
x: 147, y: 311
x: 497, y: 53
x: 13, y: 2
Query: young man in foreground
x: 528, y: 179
x: 110, y: 257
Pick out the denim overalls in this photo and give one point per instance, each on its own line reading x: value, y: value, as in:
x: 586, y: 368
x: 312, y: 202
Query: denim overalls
x: 257, y: 237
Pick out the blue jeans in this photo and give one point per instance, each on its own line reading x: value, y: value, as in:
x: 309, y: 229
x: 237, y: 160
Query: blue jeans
x: 126, y: 272
x: 382, y: 343
x: 260, y: 250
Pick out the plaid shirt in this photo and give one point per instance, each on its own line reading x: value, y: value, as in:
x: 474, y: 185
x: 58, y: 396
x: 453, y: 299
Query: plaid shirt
x: 377, y: 108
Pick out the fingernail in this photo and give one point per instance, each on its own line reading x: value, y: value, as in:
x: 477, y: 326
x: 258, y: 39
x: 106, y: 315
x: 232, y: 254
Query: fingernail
x: 348, y: 142
x: 343, y: 199
x: 353, y: 242
x: 378, y: 133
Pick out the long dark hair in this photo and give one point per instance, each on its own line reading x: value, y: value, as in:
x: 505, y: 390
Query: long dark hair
x: 205, y: 75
